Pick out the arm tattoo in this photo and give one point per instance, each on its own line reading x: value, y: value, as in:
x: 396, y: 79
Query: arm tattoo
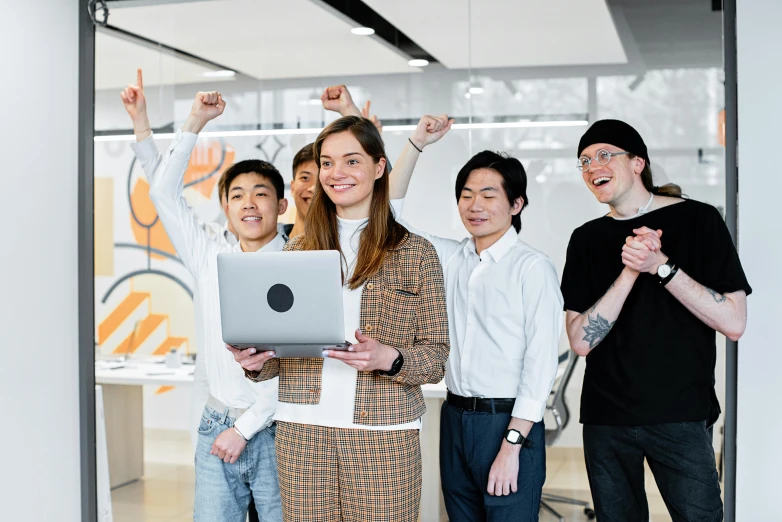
x: 596, y: 330
x: 718, y: 298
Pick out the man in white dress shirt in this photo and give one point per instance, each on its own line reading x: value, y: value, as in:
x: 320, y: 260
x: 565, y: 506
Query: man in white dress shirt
x: 505, y: 320
x: 235, y: 455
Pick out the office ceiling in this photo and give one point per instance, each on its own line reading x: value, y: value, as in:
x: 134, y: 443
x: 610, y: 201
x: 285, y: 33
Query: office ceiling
x: 265, y: 39
x: 116, y: 61
x: 508, y: 33
x: 270, y: 39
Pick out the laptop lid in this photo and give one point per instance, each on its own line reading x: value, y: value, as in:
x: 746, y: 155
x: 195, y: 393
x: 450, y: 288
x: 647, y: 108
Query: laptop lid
x: 281, y: 297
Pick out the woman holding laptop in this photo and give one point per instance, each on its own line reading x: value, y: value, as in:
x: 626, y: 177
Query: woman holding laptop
x: 348, y: 424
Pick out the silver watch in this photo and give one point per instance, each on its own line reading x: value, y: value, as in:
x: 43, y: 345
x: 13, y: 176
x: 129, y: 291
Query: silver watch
x: 664, y: 271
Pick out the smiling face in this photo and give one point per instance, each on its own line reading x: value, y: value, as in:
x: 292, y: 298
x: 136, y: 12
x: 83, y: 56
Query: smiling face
x: 484, y: 207
x: 613, y: 182
x: 348, y: 174
x: 303, y: 186
x: 253, y: 207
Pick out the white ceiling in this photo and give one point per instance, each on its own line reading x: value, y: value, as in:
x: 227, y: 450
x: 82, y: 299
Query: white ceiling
x: 116, y: 61
x: 508, y: 33
x: 266, y: 39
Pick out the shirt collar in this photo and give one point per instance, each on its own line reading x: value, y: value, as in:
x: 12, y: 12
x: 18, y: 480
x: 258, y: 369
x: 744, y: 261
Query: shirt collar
x: 275, y: 245
x: 498, y: 249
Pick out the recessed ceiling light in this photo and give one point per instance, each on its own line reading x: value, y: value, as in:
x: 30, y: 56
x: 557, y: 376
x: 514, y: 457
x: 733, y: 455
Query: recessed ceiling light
x: 362, y: 31
x: 476, y: 90
x: 219, y: 74
x: 418, y: 62
x: 467, y: 95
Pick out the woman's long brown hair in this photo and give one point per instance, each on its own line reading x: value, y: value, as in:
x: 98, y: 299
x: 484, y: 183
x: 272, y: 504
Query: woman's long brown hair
x: 382, y: 232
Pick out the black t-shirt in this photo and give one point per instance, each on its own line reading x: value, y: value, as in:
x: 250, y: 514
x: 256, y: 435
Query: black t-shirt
x: 656, y: 365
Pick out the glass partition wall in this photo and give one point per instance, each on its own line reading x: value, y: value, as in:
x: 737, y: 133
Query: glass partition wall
x: 145, y: 326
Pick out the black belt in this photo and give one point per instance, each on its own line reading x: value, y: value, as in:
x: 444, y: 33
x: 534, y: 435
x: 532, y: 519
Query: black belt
x: 480, y: 404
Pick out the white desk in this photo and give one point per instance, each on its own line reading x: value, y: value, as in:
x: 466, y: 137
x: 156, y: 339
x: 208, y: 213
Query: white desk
x: 124, y: 410
x: 133, y: 373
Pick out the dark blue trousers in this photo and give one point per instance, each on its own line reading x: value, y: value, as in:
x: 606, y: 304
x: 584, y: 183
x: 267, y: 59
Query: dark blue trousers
x: 680, y: 456
x: 469, y: 443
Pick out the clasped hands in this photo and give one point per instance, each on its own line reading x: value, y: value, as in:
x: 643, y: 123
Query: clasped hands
x: 365, y: 356
x: 642, y: 252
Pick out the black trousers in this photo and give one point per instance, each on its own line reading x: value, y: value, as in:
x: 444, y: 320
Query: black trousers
x: 680, y: 456
x: 469, y: 443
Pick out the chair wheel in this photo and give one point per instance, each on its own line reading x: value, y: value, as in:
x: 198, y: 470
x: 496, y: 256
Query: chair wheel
x: 590, y: 513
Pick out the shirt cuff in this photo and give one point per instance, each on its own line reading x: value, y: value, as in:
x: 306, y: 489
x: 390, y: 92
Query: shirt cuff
x: 144, y: 149
x: 249, y: 425
x: 528, y: 409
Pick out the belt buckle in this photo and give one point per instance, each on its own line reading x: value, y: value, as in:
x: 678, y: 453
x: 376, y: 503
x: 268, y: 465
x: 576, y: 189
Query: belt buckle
x: 474, y: 404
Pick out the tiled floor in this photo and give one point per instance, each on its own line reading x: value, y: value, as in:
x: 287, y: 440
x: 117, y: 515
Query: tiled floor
x: 166, y: 492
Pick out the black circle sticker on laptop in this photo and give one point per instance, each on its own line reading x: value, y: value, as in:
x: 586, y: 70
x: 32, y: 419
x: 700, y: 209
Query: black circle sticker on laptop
x: 280, y: 298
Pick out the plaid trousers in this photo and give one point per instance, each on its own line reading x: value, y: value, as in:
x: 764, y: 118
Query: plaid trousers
x: 352, y: 475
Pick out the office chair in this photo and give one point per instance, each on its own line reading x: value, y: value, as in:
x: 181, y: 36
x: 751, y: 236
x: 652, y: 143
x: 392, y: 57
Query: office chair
x: 561, y: 413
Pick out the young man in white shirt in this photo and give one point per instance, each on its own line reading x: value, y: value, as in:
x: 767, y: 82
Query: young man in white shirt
x: 235, y: 453
x: 505, y: 320
x: 305, y: 174
x: 150, y: 159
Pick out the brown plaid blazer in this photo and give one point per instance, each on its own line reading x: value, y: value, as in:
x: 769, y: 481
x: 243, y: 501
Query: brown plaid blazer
x: 403, y: 306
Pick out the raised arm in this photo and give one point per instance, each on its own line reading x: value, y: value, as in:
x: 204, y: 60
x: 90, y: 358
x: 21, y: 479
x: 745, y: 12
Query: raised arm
x: 428, y: 131
x: 166, y: 191
x: 144, y: 147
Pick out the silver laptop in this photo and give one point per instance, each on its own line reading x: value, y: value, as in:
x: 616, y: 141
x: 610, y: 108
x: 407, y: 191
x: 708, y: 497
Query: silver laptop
x: 289, y: 302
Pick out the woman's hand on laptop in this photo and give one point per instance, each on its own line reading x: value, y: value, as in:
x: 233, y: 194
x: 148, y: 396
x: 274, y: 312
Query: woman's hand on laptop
x: 367, y: 355
x: 250, y: 358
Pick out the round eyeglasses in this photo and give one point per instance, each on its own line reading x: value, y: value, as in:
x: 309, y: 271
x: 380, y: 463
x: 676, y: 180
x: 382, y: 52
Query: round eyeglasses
x: 603, y: 157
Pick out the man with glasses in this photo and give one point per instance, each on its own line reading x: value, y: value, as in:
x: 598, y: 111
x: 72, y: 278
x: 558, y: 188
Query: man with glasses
x: 644, y: 311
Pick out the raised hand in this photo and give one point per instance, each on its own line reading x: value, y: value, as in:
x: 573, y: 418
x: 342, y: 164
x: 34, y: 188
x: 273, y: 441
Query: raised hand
x: 133, y: 98
x: 430, y: 129
x: 136, y: 105
x: 337, y: 98
x: 373, y: 118
x: 206, y: 107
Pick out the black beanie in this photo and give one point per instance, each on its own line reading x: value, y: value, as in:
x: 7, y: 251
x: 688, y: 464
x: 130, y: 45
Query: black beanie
x: 616, y: 133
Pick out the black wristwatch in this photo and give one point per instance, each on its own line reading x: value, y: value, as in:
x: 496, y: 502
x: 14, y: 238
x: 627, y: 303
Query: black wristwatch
x: 666, y: 272
x: 515, y: 437
x: 395, y: 367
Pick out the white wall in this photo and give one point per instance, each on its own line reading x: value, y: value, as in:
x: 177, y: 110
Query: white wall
x: 759, y: 457
x: 39, y: 476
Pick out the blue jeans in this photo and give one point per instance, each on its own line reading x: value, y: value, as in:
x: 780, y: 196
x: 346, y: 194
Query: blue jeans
x: 680, y: 456
x: 222, y: 491
x: 469, y: 443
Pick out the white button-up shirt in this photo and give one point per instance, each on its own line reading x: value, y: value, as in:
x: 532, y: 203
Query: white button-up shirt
x: 504, y: 319
x: 198, y: 251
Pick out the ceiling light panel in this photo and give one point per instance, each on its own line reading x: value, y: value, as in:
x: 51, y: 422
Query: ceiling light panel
x: 509, y: 33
